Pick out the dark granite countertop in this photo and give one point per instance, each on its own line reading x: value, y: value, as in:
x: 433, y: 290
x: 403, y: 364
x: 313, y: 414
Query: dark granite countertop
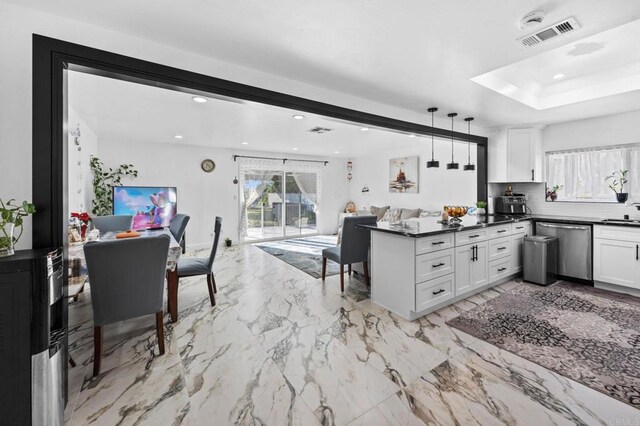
x: 424, y: 227
x: 586, y: 220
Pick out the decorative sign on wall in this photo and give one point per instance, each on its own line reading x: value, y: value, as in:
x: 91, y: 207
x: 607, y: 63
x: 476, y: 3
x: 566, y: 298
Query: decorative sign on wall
x: 403, y: 174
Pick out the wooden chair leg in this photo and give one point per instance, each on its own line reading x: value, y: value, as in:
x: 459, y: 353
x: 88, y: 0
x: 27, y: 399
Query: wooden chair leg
x: 349, y: 269
x: 341, y: 277
x: 324, y: 268
x: 160, y: 331
x: 212, y: 296
x: 213, y: 280
x: 97, y: 350
x: 365, y: 264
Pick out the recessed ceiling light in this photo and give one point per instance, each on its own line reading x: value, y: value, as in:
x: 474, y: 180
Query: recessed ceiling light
x: 295, y: 149
x: 245, y: 143
x: 336, y: 152
x: 178, y: 136
x: 297, y: 116
x: 364, y: 129
x: 199, y: 99
x: 558, y: 76
x: 412, y: 136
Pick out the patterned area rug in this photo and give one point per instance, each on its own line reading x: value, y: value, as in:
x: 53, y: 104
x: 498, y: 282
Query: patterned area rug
x: 587, y: 335
x: 304, y: 253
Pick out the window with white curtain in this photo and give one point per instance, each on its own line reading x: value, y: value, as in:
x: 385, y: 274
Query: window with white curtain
x: 582, y: 172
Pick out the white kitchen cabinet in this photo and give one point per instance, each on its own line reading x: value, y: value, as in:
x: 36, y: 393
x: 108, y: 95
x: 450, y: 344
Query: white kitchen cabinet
x: 471, y: 267
x: 616, y: 262
x: 515, y: 155
x: 616, y: 258
x: 519, y: 231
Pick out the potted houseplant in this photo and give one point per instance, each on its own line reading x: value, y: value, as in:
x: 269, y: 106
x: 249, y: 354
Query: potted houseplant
x: 227, y: 242
x: 481, y: 207
x: 553, y: 192
x: 104, y: 179
x: 11, y: 217
x: 618, y: 179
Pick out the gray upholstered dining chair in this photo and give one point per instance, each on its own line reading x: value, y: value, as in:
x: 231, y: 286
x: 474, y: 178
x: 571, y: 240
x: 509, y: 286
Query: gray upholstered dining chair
x: 190, y: 266
x: 353, y: 248
x: 115, y: 223
x: 127, y: 281
x: 178, y: 226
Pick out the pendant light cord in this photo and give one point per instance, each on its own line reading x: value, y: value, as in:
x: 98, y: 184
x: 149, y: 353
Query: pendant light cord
x: 432, y: 156
x: 452, y: 139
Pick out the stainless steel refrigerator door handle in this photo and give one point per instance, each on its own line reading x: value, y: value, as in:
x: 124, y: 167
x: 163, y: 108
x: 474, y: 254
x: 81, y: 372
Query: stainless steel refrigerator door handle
x: 576, y: 227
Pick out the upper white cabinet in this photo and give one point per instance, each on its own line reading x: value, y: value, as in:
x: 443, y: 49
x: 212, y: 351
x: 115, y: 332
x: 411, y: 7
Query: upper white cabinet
x: 515, y: 155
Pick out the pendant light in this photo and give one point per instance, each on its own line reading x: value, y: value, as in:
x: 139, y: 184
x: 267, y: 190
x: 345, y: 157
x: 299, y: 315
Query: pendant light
x: 433, y: 162
x: 469, y: 167
x: 452, y: 165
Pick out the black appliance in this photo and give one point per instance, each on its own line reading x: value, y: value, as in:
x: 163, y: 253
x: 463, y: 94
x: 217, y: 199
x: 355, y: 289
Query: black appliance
x: 33, y: 337
x: 510, y: 204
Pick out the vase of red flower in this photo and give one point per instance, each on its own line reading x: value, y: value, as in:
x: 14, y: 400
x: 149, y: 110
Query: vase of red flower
x: 84, y: 218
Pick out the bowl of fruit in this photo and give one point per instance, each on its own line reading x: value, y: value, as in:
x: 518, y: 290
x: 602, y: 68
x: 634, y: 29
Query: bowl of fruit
x: 455, y: 213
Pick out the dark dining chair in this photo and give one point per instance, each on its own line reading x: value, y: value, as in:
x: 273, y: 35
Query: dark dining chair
x: 127, y: 281
x: 353, y: 248
x: 190, y: 266
x: 114, y: 223
x: 178, y: 226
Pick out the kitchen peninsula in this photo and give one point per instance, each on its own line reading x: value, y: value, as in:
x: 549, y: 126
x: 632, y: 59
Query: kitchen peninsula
x: 424, y: 265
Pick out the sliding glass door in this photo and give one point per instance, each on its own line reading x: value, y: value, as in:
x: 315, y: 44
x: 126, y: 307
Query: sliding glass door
x: 302, y: 203
x: 278, y: 203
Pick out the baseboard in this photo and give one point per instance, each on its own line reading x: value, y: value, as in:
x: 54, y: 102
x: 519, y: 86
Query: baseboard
x: 617, y: 288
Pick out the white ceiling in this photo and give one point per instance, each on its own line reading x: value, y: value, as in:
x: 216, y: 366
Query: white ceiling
x: 412, y: 56
x: 117, y: 110
x: 604, y: 64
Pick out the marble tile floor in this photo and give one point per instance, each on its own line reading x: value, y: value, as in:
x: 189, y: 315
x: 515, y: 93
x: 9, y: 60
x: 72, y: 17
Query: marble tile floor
x: 281, y: 347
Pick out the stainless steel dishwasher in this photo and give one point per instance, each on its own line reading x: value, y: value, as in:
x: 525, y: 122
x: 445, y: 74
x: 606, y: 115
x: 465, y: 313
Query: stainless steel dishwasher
x: 574, y: 248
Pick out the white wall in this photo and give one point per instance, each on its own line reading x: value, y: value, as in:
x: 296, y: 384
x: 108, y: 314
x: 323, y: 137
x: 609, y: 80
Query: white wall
x: 80, y: 186
x: 17, y: 24
x: 437, y: 187
x: 206, y: 195
x: 602, y: 131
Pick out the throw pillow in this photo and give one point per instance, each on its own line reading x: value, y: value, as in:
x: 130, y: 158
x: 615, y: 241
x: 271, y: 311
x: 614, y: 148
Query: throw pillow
x: 391, y: 215
x: 379, y: 212
x: 409, y: 213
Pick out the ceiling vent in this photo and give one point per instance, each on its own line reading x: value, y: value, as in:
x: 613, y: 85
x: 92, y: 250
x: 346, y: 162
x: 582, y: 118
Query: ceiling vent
x: 564, y: 27
x: 319, y: 130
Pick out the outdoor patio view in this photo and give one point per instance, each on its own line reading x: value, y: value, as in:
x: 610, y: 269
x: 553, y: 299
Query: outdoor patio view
x: 278, y: 204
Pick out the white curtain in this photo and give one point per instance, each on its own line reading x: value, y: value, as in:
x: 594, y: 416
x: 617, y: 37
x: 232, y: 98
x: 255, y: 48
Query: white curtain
x: 583, y: 173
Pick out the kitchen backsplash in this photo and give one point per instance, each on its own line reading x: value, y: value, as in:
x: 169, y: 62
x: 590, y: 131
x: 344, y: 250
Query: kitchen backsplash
x: 536, y: 202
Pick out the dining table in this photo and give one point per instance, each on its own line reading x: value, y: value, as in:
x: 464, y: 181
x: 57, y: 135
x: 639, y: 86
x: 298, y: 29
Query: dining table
x: 79, y: 277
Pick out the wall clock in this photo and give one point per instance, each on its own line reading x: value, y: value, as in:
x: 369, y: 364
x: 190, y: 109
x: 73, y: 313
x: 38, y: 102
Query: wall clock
x: 208, y: 165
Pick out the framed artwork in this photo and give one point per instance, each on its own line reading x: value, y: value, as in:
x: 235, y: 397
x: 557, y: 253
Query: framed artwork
x: 403, y: 174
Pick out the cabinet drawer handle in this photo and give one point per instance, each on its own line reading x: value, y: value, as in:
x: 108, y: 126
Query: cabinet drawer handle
x: 519, y: 227
x: 437, y: 243
x: 501, y: 231
x: 474, y: 253
x: 474, y: 236
x: 437, y: 265
x: 532, y: 174
x: 439, y: 291
x: 502, y: 248
x: 502, y: 269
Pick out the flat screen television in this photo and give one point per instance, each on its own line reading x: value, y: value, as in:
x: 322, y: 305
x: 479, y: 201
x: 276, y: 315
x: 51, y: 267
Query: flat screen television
x: 151, y: 206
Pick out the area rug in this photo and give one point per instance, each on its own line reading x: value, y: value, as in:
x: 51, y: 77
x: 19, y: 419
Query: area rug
x: 304, y: 253
x: 587, y: 335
